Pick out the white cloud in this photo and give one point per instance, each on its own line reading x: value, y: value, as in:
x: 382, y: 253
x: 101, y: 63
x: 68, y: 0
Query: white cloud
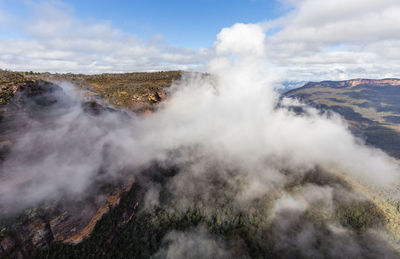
x: 59, y: 42
x: 336, y: 39
x: 251, y: 40
x: 315, y: 40
x: 208, y: 127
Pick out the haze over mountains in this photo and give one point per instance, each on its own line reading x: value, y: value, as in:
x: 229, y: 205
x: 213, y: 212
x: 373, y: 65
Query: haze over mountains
x: 369, y: 106
x: 210, y: 158
x: 222, y: 166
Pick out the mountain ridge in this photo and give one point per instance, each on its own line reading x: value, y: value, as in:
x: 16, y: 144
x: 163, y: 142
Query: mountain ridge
x: 370, y: 106
x: 60, y: 234
x: 355, y: 82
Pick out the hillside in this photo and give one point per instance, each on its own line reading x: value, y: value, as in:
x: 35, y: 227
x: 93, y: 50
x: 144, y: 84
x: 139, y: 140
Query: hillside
x: 371, y: 107
x: 27, y: 100
x: 142, y: 213
x: 135, y: 91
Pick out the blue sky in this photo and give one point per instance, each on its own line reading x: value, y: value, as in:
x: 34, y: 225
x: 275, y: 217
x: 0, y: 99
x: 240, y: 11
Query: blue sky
x: 305, y: 39
x: 182, y: 23
x: 190, y: 24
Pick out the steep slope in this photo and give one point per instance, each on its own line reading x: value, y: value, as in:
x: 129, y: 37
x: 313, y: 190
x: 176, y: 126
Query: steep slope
x: 254, y: 231
x: 27, y: 101
x: 371, y: 107
x: 135, y: 91
x: 27, y: 98
x: 372, y: 110
x: 289, y: 222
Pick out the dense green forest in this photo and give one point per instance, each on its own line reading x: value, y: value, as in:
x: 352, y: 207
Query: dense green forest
x: 240, y: 231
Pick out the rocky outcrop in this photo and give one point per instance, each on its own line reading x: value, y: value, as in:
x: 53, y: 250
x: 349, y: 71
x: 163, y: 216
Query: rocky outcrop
x: 112, y: 201
x: 138, y: 92
x: 355, y: 82
x: 69, y: 221
x: 39, y: 230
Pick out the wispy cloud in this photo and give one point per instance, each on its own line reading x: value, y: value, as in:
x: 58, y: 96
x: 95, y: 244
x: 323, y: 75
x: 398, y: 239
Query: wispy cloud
x: 337, y: 39
x: 314, y: 40
x: 60, y: 42
x: 226, y: 123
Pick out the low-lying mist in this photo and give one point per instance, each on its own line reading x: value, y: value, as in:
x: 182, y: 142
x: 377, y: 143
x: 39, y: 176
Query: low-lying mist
x: 232, y: 138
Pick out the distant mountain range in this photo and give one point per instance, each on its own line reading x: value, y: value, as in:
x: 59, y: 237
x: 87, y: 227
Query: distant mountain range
x: 371, y: 107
